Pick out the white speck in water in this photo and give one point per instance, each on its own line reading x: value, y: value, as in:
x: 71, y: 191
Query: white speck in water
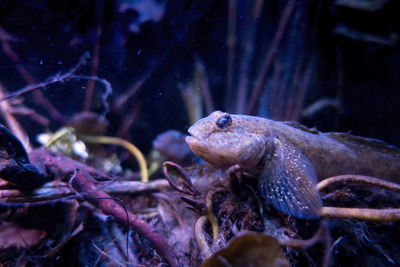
x: 79, y: 149
x: 43, y: 138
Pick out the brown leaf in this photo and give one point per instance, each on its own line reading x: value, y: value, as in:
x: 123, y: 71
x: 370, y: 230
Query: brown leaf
x: 14, y: 235
x: 178, y: 178
x: 250, y: 249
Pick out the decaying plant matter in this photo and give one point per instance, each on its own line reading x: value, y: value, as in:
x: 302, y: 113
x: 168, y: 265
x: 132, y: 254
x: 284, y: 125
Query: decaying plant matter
x: 230, y: 208
x: 52, y: 166
x: 223, y: 206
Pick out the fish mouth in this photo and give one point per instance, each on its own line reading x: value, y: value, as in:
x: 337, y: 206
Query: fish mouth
x: 197, y: 146
x: 193, y: 141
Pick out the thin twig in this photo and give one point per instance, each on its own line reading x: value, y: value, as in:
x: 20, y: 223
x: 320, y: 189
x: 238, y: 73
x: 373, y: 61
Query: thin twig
x: 247, y: 54
x: 53, y: 252
x: 298, y: 96
x: 332, y: 247
x: 60, y: 191
x: 127, y: 121
x: 123, y: 98
x: 277, y: 93
x: 107, y: 92
x: 93, y: 72
x: 12, y: 123
x: 28, y: 112
x: 304, y: 243
x: 108, y: 256
x: 24, y: 202
x: 136, y: 187
x: 327, y: 243
x: 231, y: 44
x: 109, y: 206
x: 205, y: 88
x: 319, y: 105
x: 193, y: 102
x: 38, y: 96
x: 262, y: 77
x: 51, y: 80
x: 343, y: 179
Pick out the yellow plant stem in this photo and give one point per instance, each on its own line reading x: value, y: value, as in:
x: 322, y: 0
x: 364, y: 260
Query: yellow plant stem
x: 214, y: 223
x: 361, y: 214
x: 125, y: 144
x: 57, y: 135
x: 304, y: 243
x: 201, y: 240
x: 210, y: 215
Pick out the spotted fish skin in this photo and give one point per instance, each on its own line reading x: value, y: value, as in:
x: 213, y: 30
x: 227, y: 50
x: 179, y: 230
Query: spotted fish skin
x: 288, y: 181
x: 288, y: 157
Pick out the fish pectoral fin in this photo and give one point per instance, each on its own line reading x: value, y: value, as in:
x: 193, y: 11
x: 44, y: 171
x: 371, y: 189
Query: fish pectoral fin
x: 288, y: 182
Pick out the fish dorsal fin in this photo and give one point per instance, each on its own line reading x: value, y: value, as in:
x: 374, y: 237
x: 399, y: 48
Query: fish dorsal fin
x: 288, y: 181
x: 300, y: 126
x: 365, y: 143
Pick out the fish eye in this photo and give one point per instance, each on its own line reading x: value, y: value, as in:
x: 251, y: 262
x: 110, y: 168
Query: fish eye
x: 224, y: 122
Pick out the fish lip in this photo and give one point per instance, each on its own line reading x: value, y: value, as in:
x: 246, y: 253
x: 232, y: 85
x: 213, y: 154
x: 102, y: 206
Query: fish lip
x: 192, y: 140
x: 191, y: 131
x: 195, y: 139
x: 192, y: 135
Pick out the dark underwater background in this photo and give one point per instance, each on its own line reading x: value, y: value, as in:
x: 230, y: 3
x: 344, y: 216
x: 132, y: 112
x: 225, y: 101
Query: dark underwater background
x: 340, y: 56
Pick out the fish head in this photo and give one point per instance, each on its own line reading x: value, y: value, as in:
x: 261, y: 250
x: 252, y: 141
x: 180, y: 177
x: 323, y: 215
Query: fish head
x: 223, y: 140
